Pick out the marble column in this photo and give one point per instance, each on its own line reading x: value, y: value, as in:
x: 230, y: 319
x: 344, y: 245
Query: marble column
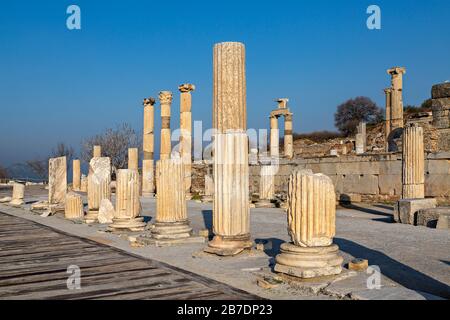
x: 84, y: 183
x: 165, y: 98
x: 361, y: 139
x: 266, y: 187
x: 288, y: 137
x: 274, y: 137
x: 208, y: 194
x: 74, y: 206
x: 17, y: 195
x: 311, y: 218
x: 128, y: 207
x: 99, y: 180
x: 186, y: 133
x: 171, y: 212
x: 148, y: 146
x: 396, y: 74
x: 57, y: 181
x: 97, y: 151
x: 413, y: 178
x: 231, y: 214
x: 76, y: 175
x: 133, y: 159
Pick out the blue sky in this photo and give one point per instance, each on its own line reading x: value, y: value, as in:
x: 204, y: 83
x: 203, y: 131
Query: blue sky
x: 62, y: 85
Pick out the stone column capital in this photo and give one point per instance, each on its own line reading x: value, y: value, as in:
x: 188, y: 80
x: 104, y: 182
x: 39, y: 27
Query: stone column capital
x: 396, y: 71
x: 149, y: 101
x: 282, y: 102
x: 387, y: 90
x: 165, y: 97
x: 186, y: 87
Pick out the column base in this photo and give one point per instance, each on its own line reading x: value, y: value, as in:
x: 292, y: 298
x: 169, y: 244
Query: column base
x: 91, y: 217
x: 264, y: 203
x: 16, y: 203
x: 308, y: 262
x: 171, y: 230
x: 127, y: 224
x: 228, y: 246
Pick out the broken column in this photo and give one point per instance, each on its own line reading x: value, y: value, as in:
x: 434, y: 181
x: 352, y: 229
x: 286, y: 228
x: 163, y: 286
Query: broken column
x: 99, y: 179
x: 266, y: 187
x: 361, y: 139
x: 148, y: 146
x: 288, y: 138
x: 396, y: 74
x: 171, y: 213
x: 133, y: 155
x: 165, y: 98
x: 186, y: 133
x: 208, y: 194
x: 83, y: 183
x: 74, y: 206
x: 17, y: 194
x: 274, y: 137
x: 311, y: 219
x: 97, y: 151
x: 57, y: 181
x: 413, y: 162
x: 128, y: 206
x: 231, y: 219
x: 440, y: 105
x: 76, y: 175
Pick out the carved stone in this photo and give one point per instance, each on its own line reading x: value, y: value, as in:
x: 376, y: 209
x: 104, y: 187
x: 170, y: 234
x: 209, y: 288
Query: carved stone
x: 74, y: 206
x: 97, y: 152
x: 17, y: 195
x: 83, y: 183
x: 99, y: 180
x: 133, y: 155
x: 148, y: 145
x: 311, y: 219
x: 413, y: 163
x: 76, y: 175
x: 396, y: 95
x: 266, y: 187
x: 165, y: 98
x: 57, y: 180
x: 186, y: 133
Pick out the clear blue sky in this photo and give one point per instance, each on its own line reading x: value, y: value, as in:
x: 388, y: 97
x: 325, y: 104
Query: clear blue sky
x: 62, y: 85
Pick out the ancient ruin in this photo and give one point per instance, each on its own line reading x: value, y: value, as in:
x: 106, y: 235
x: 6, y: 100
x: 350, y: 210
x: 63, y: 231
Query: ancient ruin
x: 231, y: 220
x: 186, y: 133
x: 99, y: 180
x: 73, y: 206
x: 148, y: 147
x: 17, y: 195
x: 76, y: 175
x: 413, y: 163
x: 165, y: 99
x: 312, y: 225
x: 281, y: 111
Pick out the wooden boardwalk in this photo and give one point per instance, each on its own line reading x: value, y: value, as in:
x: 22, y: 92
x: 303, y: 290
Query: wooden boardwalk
x: 34, y: 261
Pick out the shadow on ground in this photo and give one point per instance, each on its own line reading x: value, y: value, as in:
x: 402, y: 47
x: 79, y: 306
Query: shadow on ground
x: 388, y: 216
x: 395, y: 270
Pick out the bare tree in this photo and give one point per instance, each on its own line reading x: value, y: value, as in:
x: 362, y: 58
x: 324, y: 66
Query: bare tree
x: 62, y: 150
x: 40, y: 166
x: 353, y: 111
x: 3, y: 172
x: 115, y: 143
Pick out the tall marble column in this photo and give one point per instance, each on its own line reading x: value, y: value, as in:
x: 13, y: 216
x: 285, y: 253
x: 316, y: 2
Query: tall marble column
x: 288, y: 138
x: 186, y: 133
x: 231, y: 214
x: 99, y: 180
x: 171, y: 212
x: 97, y: 153
x: 133, y: 158
x: 396, y: 74
x: 387, y: 120
x: 361, y: 139
x: 76, y: 175
x: 274, y: 137
x: 165, y: 99
x: 413, y: 178
x: 128, y: 206
x: 311, y: 219
x: 148, y: 146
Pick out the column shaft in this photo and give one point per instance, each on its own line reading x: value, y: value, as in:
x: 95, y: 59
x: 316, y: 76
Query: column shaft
x: 148, y: 145
x: 274, y: 137
x: 288, y: 138
x: 165, y: 98
x: 413, y: 162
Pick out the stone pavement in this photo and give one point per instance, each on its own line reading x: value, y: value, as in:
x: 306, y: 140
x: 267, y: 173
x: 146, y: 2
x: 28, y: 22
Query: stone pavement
x: 414, y: 261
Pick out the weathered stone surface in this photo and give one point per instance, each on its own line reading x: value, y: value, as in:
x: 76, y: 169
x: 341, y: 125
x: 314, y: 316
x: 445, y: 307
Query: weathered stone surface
x: 57, y: 180
x: 106, y: 211
x: 413, y: 163
x: 99, y: 180
x: 17, y: 195
x: 186, y: 132
x: 443, y: 221
x: 406, y: 210
x: 358, y: 264
x: 133, y: 158
x: 76, y: 175
x: 73, y: 206
x: 441, y: 90
x: 5, y: 199
x: 148, y: 146
x: 429, y: 217
x: 97, y: 151
x: 84, y: 183
x: 165, y: 99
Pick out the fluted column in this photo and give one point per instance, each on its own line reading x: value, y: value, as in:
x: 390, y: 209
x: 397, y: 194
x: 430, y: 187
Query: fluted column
x: 148, y: 178
x: 186, y: 133
x: 17, y: 194
x: 171, y: 212
x: 165, y: 98
x: 387, y: 120
x: 311, y: 218
x: 231, y: 180
x: 413, y: 162
x: 288, y: 138
x: 274, y: 137
x: 74, y: 206
x: 396, y: 74
x: 76, y: 175
x: 97, y: 153
x: 99, y: 179
x: 266, y: 187
x: 128, y: 206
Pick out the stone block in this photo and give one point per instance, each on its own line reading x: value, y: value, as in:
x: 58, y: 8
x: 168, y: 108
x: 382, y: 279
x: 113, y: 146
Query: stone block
x: 390, y: 167
x: 429, y: 217
x: 437, y: 167
x: 444, y: 221
x: 406, y: 210
x: 441, y: 90
x: 437, y: 185
x: 360, y: 183
x: 390, y: 184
